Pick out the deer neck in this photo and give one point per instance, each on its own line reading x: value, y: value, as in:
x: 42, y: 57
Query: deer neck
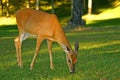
x: 59, y: 34
x: 62, y: 39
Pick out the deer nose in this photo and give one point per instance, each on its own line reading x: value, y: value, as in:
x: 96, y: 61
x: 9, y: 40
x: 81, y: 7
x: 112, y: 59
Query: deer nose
x: 73, y: 69
x: 72, y: 72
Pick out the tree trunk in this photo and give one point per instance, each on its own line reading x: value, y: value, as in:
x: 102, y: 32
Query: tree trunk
x: 37, y: 4
x: 52, y: 3
x: 28, y: 4
x: 1, y: 8
x: 76, y: 13
x: 7, y: 6
x: 89, y: 7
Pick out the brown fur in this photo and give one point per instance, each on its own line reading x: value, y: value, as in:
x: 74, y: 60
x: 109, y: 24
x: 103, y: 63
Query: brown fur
x: 44, y: 26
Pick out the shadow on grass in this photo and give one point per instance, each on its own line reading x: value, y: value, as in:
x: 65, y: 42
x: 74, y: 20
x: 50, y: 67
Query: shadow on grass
x: 8, y: 31
x: 108, y: 22
x: 8, y: 27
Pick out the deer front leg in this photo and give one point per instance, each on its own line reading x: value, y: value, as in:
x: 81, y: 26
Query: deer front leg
x: 39, y: 41
x: 18, y: 51
x: 50, y: 53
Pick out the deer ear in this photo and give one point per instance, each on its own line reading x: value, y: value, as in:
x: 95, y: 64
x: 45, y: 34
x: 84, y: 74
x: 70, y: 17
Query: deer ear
x: 65, y: 48
x: 76, y: 45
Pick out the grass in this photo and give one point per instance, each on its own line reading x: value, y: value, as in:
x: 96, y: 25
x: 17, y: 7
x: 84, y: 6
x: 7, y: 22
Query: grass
x: 107, y: 18
x: 98, y: 57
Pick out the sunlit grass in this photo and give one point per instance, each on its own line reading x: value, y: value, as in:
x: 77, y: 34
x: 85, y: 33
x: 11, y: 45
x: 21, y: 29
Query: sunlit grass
x: 7, y: 21
x: 98, y: 45
x: 106, y: 15
x: 111, y: 13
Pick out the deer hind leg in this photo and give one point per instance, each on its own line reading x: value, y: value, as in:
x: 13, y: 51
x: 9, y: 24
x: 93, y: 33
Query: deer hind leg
x: 50, y: 53
x: 38, y: 44
x: 18, y: 44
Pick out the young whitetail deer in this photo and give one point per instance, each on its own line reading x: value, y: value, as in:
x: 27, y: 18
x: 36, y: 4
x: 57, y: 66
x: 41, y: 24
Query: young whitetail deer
x: 43, y: 26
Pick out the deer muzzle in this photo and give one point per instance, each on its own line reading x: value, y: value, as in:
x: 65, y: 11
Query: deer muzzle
x: 72, y: 70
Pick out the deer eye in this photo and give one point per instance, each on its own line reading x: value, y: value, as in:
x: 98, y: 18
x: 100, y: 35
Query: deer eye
x: 69, y: 60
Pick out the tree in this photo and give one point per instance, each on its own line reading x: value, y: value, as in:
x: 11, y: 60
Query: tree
x: 27, y: 3
x: 37, y: 4
x: 1, y: 7
x: 7, y: 6
x: 77, y: 11
x: 52, y: 3
x: 89, y: 7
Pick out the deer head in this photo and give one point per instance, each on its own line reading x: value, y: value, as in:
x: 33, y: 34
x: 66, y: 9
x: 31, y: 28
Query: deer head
x: 71, y: 56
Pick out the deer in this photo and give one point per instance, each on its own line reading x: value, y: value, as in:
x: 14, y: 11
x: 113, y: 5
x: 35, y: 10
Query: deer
x: 44, y: 26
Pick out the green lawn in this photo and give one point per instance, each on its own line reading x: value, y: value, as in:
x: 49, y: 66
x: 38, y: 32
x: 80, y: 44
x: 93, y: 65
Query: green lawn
x: 98, y: 58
